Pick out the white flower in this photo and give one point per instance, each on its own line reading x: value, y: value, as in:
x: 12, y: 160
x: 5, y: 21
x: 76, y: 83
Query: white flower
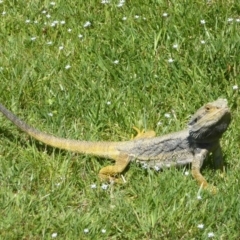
x: 202, y: 42
x: 93, y: 186
x: 202, y: 21
x: 49, y: 43
x: 175, y: 45
x: 145, y: 166
x: 28, y: 21
x: 4, y: 13
x: 235, y: 87
x: 103, y: 231
x: 124, y: 18
x: 157, y: 168
x: 35, y: 21
x: 67, y: 66
x: 238, y: 20
x: 53, y: 24
x: 44, y: 12
x: 61, y: 48
x: 105, y: 1
x: 80, y: 35
x: 1, y: 1
x: 170, y: 60
x: 199, y: 197
x: 33, y: 38
x: 104, y: 186
x: 116, y: 61
x: 108, y: 103
x: 86, y: 230
x: 211, y: 234
x: 230, y: 19
x: 136, y: 16
x: 50, y: 114
x: 62, y: 22
x: 159, y: 123
x: 167, y: 115
x: 52, y: 3
x: 54, y: 235
x: 69, y: 30
x: 165, y: 14
x: 201, y: 226
x: 186, y: 173
x: 48, y: 15
x: 87, y: 24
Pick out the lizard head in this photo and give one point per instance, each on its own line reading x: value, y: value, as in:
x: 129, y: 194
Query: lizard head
x: 210, y: 121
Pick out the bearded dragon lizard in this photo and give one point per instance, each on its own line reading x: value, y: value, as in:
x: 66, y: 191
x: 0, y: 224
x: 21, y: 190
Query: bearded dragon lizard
x: 191, y: 145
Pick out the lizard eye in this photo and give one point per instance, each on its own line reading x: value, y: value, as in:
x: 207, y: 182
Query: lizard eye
x: 207, y: 108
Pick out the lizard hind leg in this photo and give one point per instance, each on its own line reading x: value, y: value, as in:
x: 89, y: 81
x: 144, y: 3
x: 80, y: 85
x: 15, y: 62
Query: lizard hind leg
x: 143, y: 134
x: 110, y: 172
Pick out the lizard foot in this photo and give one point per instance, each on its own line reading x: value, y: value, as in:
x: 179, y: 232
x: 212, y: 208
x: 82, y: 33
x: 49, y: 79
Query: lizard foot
x: 143, y: 134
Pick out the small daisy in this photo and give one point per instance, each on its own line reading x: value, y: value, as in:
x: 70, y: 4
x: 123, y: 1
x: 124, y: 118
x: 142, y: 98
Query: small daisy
x: 108, y: 103
x: 4, y: 13
x: 61, y: 48
x: 186, y: 173
x: 69, y: 30
x: 165, y: 14
x: 86, y: 230
x: 199, y: 197
x: 48, y: 15
x: 211, y: 234
x: 202, y: 22
x: 167, y: 115
x: 50, y: 114
x: 159, y: 123
x: 136, y: 16
x: 49, y: 43
x: 238, y: 20
x: 157, y: 168
x: 93, y: 186
x: 124, y: 18
x: 104, y: 186
x: 33, y: 38
x: 87, y: 24
x: 28, y: 21
x: 145, y: 166
x: 170, y: 60
x: 103, y: 230
x: 80, y: 35
x: 52, y: 3
x: 175, y: 46
x: 62, y: 22
x: 105, y: 1
x: 44, y: 12
x: 67, y: 66
x: 200, y: 226
x: 230, y: 19
x: 54, y: 235
x: 116, y: 61
x: 202, y: 42
x: 235, y: 87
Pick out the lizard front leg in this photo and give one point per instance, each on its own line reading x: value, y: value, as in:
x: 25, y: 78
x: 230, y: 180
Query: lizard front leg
x: 109, y: 172
x: 143, y: 133
x: 196, y: 166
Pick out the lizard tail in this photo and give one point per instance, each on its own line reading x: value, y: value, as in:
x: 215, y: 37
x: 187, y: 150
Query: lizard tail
x: 102, y: 149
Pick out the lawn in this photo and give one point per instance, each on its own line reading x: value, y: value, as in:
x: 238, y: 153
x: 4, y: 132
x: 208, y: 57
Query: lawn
x: 92, y: 70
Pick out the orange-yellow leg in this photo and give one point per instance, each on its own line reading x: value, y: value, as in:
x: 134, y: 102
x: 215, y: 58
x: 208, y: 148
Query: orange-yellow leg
x: 110, y: 172
x: 196, y: 165
x: 143, y: 134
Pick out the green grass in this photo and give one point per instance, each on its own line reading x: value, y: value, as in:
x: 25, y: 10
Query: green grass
x: 45, y: 191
